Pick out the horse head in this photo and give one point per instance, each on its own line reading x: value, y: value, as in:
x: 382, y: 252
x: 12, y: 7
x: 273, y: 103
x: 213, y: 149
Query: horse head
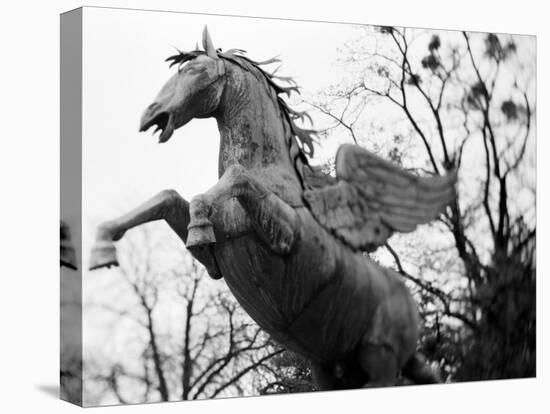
x: 257, y: 127
x: 193, y: 92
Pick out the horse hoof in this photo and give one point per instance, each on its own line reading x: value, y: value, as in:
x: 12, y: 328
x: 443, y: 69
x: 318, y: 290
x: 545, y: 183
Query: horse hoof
x: 204, y: 254
x: 103, y: 255
x: 200, y: 235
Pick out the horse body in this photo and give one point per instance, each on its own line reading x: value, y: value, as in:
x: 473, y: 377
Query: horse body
x: 321, y: 300
x: 355, y: 320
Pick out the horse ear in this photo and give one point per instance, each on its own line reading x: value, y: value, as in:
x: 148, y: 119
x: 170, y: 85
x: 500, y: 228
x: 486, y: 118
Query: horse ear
x: 207, y: 44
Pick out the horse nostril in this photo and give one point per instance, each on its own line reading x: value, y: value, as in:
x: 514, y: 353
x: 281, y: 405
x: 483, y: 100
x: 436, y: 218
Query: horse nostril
x: 153, y: 106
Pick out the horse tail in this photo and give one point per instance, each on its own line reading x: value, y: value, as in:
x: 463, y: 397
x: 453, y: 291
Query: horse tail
x: 418, y: 371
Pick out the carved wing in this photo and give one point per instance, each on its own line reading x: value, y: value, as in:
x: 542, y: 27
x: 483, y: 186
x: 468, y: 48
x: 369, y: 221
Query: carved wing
x: 374, y: 198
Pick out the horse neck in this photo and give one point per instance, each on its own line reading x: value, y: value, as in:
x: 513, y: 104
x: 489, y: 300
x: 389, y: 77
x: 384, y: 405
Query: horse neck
x: 252, y: 131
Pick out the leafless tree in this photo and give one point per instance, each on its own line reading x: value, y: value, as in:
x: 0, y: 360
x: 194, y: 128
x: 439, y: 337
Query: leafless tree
x: 194, y: 340
x: 459, y: 101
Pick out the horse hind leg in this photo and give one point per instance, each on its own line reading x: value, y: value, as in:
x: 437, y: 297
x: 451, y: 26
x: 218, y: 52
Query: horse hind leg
x: 418, y: 371
x: 382, y: 364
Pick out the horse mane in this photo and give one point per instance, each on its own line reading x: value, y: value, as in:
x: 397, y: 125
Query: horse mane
x: 299, y: 140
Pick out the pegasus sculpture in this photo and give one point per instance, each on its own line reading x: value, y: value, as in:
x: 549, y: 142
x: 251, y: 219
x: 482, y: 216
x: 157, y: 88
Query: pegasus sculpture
x: 289, y: 240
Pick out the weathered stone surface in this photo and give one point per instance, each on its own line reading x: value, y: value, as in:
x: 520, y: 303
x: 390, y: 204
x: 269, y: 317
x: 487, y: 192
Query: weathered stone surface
x: 289, y: 241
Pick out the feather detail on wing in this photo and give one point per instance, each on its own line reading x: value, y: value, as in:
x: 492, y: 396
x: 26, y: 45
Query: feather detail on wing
x: 374, y: 198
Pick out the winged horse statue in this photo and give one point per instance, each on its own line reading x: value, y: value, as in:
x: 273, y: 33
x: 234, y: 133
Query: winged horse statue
x: 290, y: 241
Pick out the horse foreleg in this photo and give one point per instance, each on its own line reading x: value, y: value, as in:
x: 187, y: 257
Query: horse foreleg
x: 167, y: 205
x: 274, y: 220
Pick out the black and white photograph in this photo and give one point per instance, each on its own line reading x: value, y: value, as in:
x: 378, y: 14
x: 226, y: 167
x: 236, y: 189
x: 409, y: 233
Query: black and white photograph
x: 274, y: 207
x: 263, y: 217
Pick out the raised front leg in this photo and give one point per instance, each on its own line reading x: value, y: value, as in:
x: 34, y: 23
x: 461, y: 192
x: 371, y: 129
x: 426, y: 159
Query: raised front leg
x: 167, y: 205
x: 273, y: 219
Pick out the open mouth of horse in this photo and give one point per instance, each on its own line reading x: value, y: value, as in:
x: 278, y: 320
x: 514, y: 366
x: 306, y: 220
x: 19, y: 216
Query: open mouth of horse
x: 163, y: 122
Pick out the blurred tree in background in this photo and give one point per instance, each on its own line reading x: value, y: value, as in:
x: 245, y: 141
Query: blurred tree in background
x: 429, y: 101
x: 290, y: 373
x: 179, y: 335
x: 433, y: 102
